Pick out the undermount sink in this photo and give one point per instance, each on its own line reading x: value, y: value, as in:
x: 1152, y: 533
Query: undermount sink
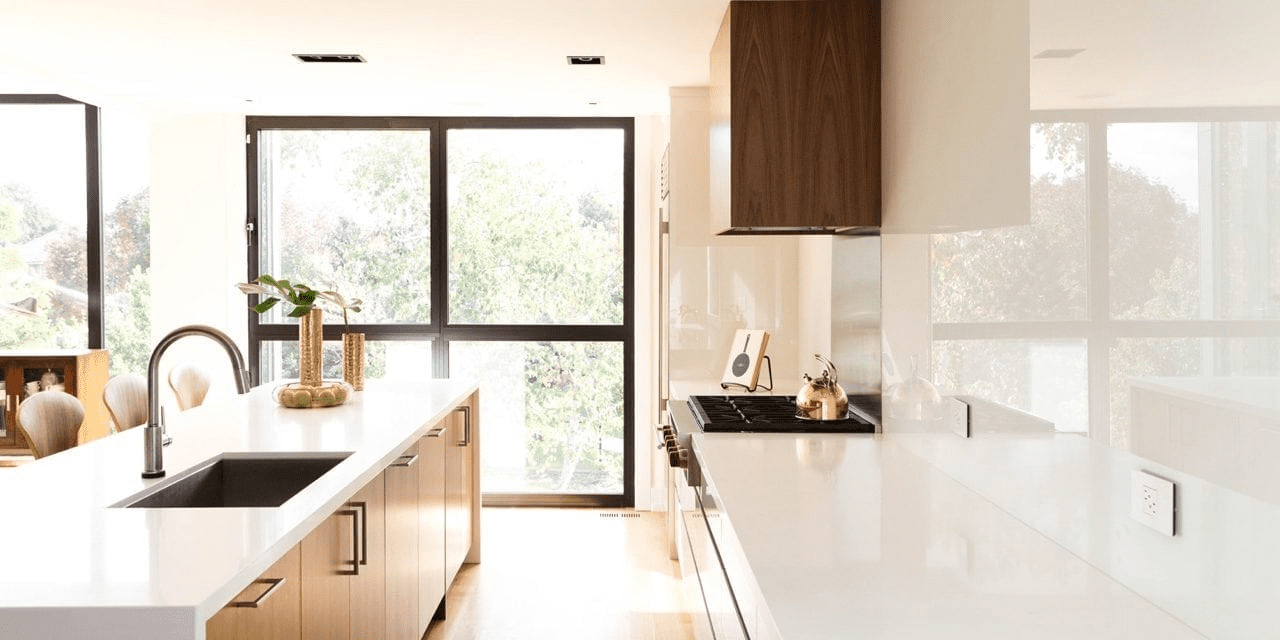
x: 237, y: 480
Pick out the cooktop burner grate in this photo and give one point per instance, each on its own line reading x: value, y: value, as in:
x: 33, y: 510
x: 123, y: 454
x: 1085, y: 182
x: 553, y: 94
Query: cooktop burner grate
x: 766, y: 414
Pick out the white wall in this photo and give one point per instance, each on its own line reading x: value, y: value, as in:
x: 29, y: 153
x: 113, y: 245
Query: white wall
x: 198, y: 250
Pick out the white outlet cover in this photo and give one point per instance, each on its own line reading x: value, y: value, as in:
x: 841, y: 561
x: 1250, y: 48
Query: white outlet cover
x: 956, y: 412
x: 1152, y: 501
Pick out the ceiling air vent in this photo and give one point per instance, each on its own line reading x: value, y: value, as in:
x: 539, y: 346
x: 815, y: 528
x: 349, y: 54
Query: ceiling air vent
x: 1058, y: 53
x: 329, y: 57
x: 585, y: 59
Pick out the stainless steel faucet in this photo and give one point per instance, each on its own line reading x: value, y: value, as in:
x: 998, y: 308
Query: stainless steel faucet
x: 153, y: 438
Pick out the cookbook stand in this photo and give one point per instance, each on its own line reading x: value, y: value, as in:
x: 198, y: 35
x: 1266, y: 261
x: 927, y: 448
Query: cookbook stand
x: 767, y: 363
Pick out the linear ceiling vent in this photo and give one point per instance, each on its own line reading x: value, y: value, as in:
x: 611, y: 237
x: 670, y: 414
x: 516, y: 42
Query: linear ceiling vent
x: 585, y: 59
x: 329, y: 57
x: 1051, y: 54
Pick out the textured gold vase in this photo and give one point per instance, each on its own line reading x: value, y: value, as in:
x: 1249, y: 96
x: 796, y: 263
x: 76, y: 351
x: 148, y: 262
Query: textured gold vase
x: 353, y: 360
x: 311, y: 348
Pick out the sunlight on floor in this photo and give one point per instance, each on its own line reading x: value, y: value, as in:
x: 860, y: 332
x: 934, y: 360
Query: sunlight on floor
x: 567, y: 573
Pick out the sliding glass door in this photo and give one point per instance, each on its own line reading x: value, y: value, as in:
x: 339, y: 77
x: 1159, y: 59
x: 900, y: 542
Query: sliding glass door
x: 496, y: 249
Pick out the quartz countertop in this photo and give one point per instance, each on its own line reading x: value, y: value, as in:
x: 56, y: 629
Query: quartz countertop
x: 75, y: 567
x: 858, y: 536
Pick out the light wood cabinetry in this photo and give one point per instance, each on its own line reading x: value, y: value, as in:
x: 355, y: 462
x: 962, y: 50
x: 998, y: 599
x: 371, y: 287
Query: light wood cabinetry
x: 461, y: 488
x: 268, y: 608
x: 379, y: 566
x: 795, y: 117
x: 82, y: 373
x: 431, y: 528
x: 401, y: 483
x: 344, y: 571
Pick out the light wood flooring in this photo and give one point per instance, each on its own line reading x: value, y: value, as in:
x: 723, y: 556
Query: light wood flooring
x: 567, y: 574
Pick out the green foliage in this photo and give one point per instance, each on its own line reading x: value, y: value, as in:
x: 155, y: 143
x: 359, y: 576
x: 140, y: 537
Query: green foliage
x: 128, y: 324
x: 302, y: 297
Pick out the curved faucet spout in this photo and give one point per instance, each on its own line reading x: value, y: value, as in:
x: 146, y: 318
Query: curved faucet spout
x: 153, y: 438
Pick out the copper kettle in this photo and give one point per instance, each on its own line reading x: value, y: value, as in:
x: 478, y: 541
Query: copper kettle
x: 823, y: 398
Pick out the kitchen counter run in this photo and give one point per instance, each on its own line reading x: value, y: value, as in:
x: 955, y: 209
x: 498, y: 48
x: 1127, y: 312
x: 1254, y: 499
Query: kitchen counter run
x: 74, y: 567
x: 858, y: 536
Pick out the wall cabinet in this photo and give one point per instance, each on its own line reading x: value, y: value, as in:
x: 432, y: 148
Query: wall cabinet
x: 268, y: 608
x: 82, y: 373
x: 795, y: 118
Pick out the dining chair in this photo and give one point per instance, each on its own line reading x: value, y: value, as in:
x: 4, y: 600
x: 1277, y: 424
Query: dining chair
x: 190, y: 384
x: 126, y: 398
x: 50, y: 421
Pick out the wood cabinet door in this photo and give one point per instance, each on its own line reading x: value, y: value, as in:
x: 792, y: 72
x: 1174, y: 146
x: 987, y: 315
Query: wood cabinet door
x: 268, y: 608
x: 431, y: 514
x: 329, y: 554
x: 400, y: 481
x: 368, y: 585
x: 459, y: 497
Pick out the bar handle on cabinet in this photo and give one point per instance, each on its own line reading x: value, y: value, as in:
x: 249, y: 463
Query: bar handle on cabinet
x: 466, y: 424
x: 364, y: 529
x: 355, y: 541
x: 257, y: 602
x: 437, y: 432
x: 405, y: 461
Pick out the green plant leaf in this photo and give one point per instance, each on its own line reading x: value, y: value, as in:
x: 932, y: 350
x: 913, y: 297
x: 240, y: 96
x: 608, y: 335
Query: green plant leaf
x: 299, y: 311
x: 269, y: 281
x: 263, y: 306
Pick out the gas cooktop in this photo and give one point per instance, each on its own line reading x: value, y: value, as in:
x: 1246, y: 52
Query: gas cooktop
x: 718, y: 414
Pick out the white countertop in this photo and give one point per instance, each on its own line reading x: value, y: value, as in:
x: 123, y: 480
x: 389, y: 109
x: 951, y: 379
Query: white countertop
x: 73, y: 567
x: 856, y: 536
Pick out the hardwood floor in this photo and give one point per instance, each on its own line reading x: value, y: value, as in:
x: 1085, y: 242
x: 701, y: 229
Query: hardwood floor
x: 567, y: 574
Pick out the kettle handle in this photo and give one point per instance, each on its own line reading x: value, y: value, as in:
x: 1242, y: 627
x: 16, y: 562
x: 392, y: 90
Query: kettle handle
x: 829, y: 365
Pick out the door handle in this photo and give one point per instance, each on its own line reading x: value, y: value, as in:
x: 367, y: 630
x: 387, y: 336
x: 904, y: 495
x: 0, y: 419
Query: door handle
x: 355, y: 542
x: 466, y: 424
x: 405, y: 461
x: 364, y: 529
x: 257, y: 602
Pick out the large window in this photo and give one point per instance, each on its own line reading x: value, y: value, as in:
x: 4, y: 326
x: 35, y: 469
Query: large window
x: 496, y: 249
x: 1153, y: 250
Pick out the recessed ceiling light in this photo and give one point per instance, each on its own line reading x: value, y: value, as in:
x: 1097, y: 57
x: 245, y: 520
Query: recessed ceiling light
x: 585, y: 59
x: 329, y: 57
x: 1058, y: 53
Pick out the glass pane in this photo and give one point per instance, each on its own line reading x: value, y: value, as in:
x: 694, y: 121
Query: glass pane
x: 535, y: 226
x: 43, y: 266
x: 1153, y: 198
x: 384, y: 359
x: 1046, y: 378
x: 126, y: 233
x: 554, y: 420
x: 350, y: 211
x: 1195, y: 362
x: 1034, y: 272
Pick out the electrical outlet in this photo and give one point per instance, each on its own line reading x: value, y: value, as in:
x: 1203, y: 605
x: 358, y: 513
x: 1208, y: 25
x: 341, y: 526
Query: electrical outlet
x: 1152, y: 501
x: 956, y: 412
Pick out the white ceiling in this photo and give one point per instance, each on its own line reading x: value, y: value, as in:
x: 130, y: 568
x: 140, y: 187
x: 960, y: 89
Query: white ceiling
x: 435, y: 57
x: 507, y: 57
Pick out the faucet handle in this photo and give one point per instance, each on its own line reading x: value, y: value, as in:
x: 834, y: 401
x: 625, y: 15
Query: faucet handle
x: 164, y: 431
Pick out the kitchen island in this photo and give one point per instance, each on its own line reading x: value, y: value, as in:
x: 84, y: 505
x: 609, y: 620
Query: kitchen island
x: 74, y: 566
x: 859, y: 536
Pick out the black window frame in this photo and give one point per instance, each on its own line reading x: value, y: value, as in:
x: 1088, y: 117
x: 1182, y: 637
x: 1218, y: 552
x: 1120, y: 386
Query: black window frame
x: 93, y: 204
x: 438, y: 330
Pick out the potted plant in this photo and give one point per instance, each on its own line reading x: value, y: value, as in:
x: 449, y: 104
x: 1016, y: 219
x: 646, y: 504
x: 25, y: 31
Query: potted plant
x: 311, y: 389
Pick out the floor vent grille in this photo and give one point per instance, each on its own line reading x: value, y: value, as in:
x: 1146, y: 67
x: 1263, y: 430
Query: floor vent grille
x: 619, y: 515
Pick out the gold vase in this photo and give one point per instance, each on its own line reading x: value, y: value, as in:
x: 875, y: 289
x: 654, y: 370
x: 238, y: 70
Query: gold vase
x: 311, y: 348
x: 353, y: 360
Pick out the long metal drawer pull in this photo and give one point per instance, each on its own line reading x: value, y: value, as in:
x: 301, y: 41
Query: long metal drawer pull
x: 364, y: 529
x: 466, y: 425
x: 355, y: 541
x: 257, y: 602
x: 405, y: 461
